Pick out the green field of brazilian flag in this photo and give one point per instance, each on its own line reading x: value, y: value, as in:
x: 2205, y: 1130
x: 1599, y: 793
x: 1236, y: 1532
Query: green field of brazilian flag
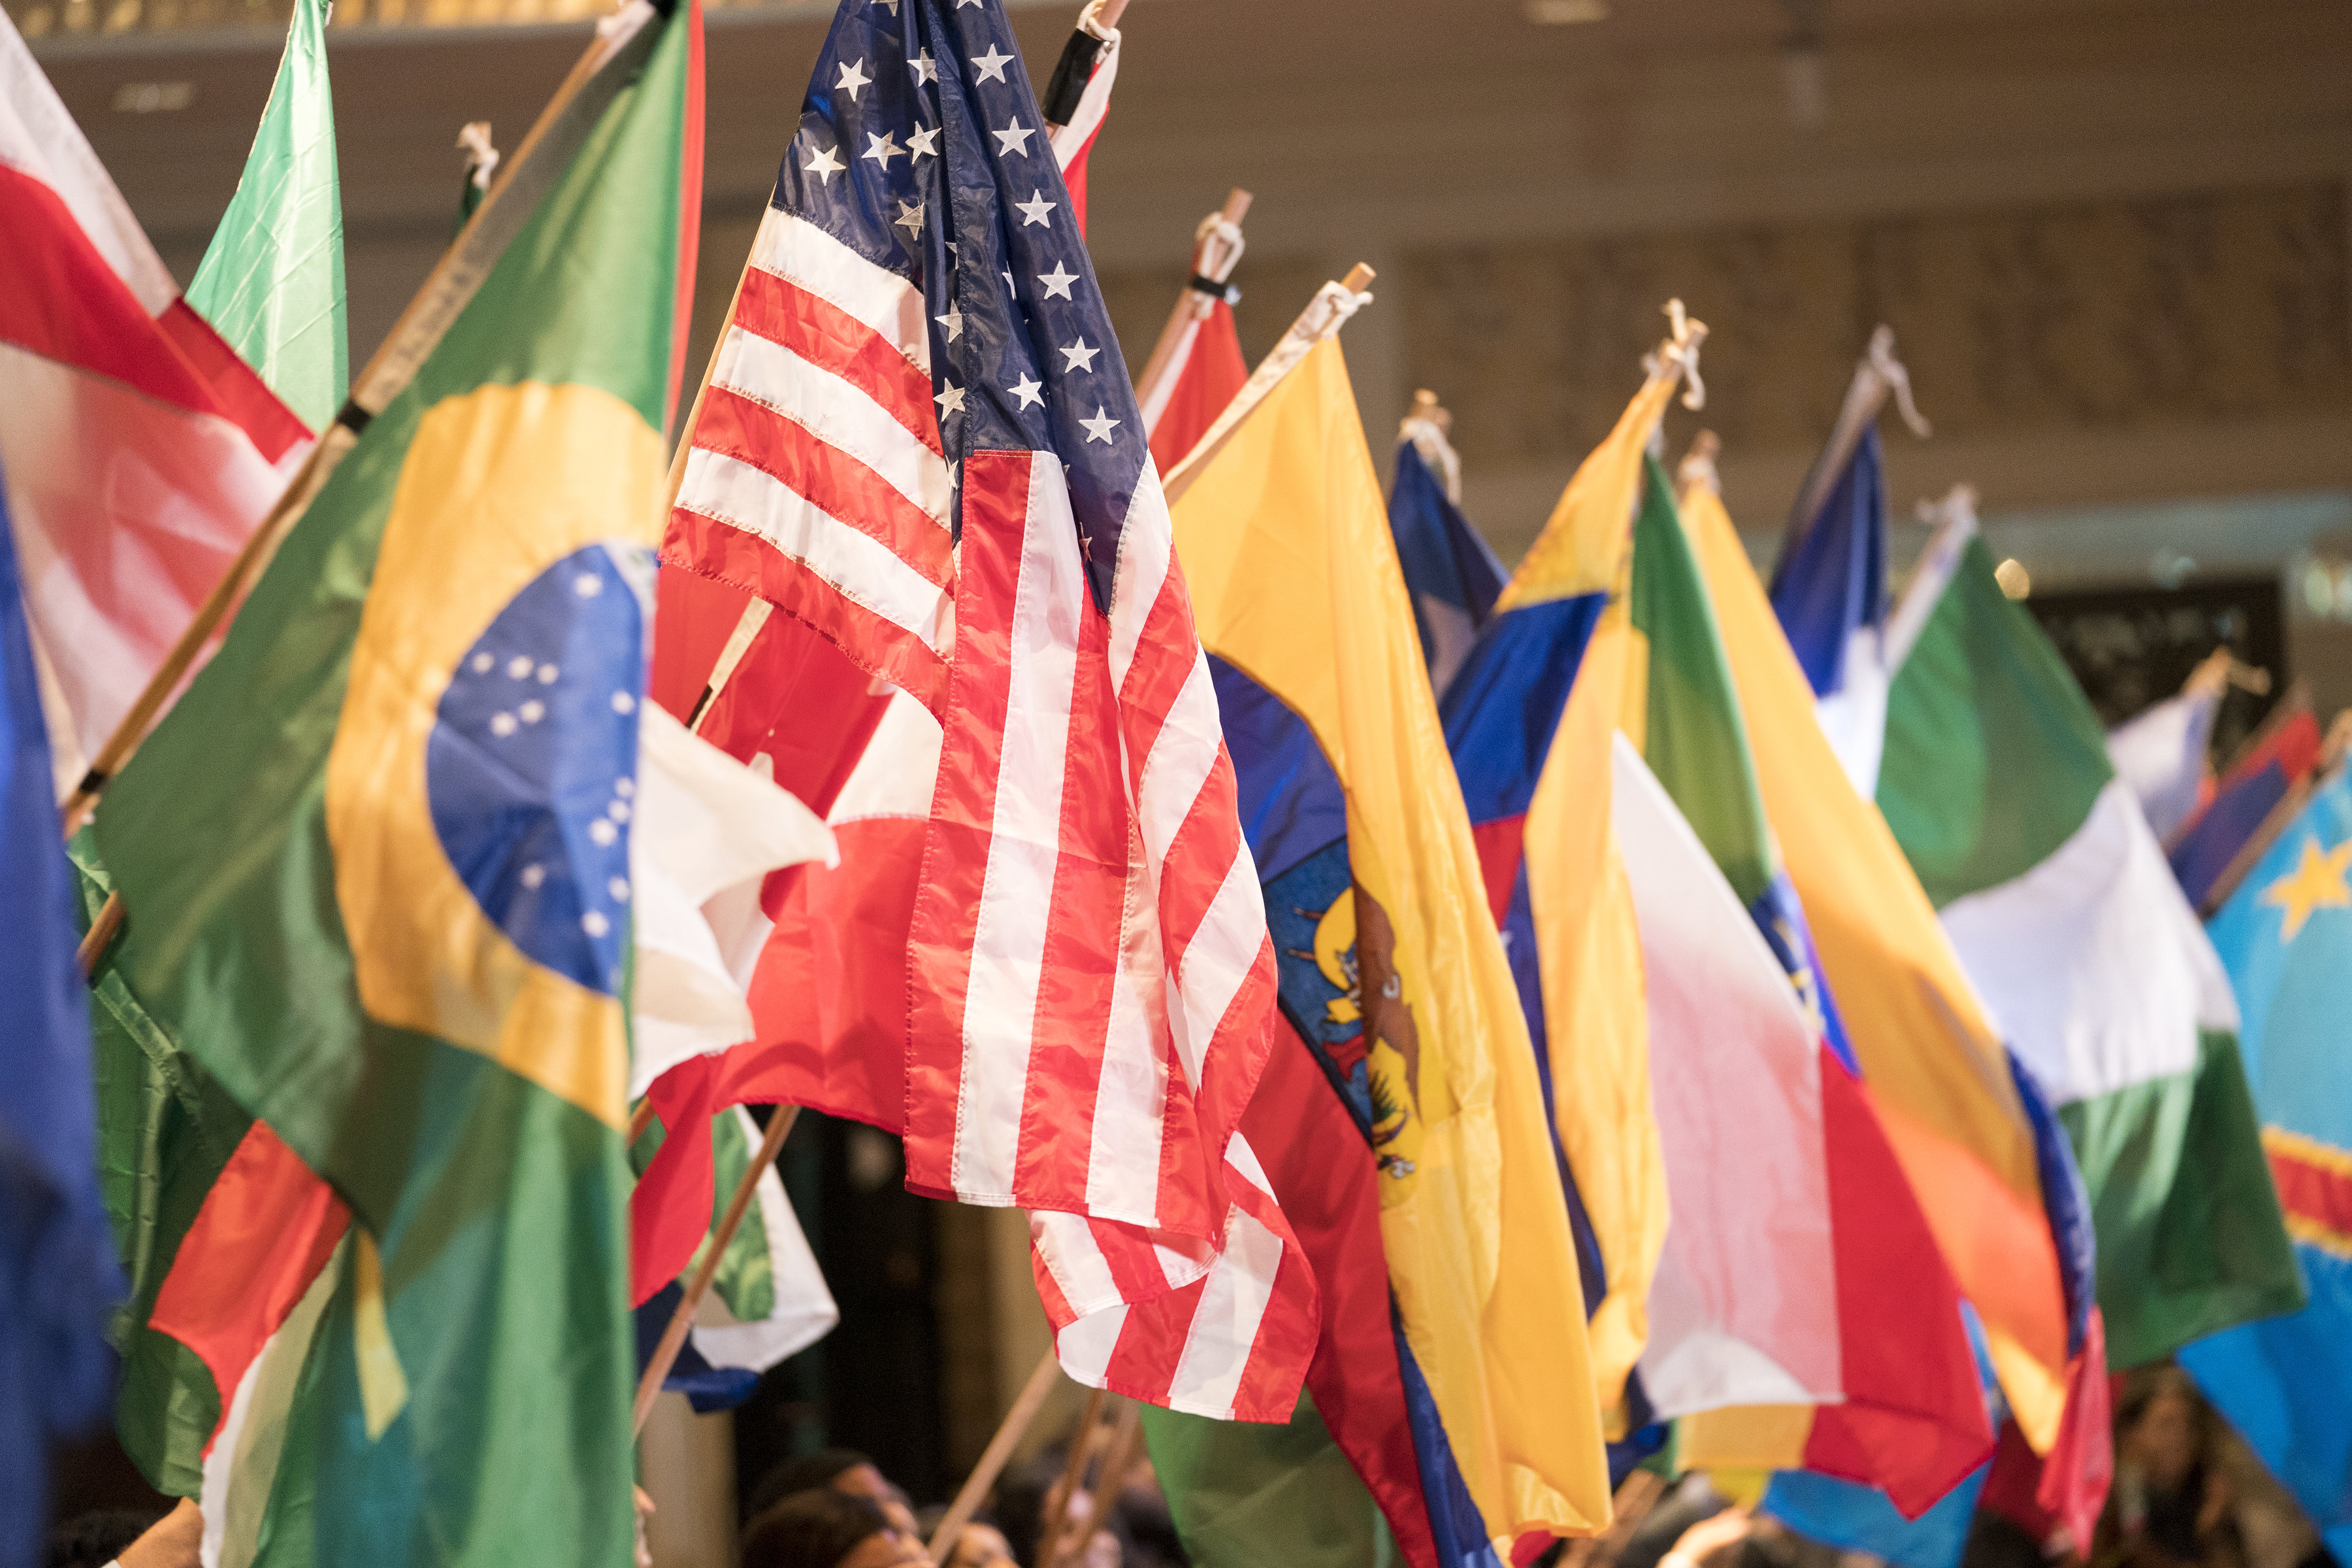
x: 374, y: 935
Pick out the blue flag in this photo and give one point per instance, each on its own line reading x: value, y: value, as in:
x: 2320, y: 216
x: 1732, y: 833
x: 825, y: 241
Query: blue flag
x: 2285, y: 936
x: 1829, y: 590
x: 1450, y: 572
x: 58, y: 1277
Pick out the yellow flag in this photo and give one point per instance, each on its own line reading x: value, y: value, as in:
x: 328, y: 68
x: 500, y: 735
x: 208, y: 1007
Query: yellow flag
x: 1295, y: 584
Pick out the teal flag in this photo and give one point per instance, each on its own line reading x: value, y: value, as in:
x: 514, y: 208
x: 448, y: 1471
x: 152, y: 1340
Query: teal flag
x: 271, y: 282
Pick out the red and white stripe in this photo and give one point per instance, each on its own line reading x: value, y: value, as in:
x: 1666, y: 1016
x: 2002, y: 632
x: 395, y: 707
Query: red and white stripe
x: 1224, y: 1331
x: 1095, y: 975
x: 139, y: 452
x: 816, y: 479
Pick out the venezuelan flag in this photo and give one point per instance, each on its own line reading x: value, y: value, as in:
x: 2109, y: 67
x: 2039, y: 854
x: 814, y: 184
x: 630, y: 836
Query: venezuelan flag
x: 1939, y: 1075
x: 1528, y: 722
x: 1394, y: 982
x: 377, y: 866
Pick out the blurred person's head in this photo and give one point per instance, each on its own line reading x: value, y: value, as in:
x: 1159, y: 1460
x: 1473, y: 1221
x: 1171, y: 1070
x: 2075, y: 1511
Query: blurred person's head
x: 844, y: 1470
x: 94, y: 1539
x: 981, y: 1546
x: 826, y: 1529
x: 2166, y: 1427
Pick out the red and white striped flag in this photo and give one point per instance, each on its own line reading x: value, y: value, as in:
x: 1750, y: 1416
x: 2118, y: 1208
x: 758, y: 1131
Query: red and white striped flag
x: 1086, y: 955
x: 139, y: 451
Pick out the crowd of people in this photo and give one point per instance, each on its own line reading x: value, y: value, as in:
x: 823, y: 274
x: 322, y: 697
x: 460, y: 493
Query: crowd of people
x: 2187, y: 1494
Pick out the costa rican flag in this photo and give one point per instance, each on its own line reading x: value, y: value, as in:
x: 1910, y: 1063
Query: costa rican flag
x: 919, y: 442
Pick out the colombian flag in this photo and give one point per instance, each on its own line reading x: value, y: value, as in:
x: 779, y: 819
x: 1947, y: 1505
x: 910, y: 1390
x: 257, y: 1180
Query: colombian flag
x: 1963, y: 1127
x: 376, y: 865
x: 1396, y: 1001
x: 1908, y: 1415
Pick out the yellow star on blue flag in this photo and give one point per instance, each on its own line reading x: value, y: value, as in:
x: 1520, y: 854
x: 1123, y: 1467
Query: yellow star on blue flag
x: 2316, y: 882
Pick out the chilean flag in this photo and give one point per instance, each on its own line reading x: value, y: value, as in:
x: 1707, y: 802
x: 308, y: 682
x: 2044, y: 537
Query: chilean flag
x: 141, y: 452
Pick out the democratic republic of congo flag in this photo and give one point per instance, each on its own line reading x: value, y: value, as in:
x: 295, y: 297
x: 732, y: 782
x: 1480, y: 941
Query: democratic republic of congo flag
x: 376, y: 866
x: 1413, y: 1156
x: 2285, y: 935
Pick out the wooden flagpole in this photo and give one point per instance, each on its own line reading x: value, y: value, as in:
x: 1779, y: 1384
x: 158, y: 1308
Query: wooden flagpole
x: 673, y: 1338
x: 992, y: 1459
x: 2332, y: 752
x: 1193, y: 305
x: 1053, y: 1518
x: 1879, y: 376
x: 1067, y: 1534
x: 1323, y: 317
x: 562, y: 128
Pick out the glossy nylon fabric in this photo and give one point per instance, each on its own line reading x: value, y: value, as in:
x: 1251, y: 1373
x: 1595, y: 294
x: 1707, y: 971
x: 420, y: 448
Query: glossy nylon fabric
x: 2285, y: 937
x: 1939, y: 1075
x: 492, y: 1193
x: 1534, y: 709
x: 1285, y: 547
x: 271, y: 282
x: 1997, y: 782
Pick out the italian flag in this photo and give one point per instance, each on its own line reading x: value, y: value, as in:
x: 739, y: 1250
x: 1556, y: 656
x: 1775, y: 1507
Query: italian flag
x: 377, y: 863
x: 1996, y: 784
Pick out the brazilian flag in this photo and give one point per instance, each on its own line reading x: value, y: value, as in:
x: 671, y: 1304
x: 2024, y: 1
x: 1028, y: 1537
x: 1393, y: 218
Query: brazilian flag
x: 376, y: 868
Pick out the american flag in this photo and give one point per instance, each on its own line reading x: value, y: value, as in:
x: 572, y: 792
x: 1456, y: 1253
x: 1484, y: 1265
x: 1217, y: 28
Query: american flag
x: 920, y: 440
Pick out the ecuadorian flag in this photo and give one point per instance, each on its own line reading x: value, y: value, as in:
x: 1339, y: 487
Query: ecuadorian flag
x: 1528, y: 722
x: 1394, y: 983
x: 377, y: 864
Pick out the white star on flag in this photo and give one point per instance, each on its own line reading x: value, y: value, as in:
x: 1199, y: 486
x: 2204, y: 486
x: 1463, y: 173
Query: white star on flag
x: 910, y: 218
x: 822, y: 164
x: 1080, y: 357
x: 1014, y: 138
x: 951, y: 400
x: 952, y: 321
x: 853, y: 77
x: 1057, y: 282
x: 1028, y: 390
x: 991, y: 65
x: 883, y: 148
x: 892, y: 4
x: 1099, y: 427
x: 1035, y: 209
x: 924, y: 67
x: 922, y: 142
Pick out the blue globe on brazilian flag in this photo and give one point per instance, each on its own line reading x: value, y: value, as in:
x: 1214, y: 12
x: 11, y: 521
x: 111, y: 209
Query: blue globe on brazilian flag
x: 377, y: 866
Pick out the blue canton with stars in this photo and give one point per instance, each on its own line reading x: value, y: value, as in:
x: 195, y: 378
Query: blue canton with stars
x: 922, y: 148
x: 531, y: 770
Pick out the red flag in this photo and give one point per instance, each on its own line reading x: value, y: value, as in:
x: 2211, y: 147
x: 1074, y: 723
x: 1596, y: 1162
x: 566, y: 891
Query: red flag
x: 1205, y: 372
x: 140, y: 452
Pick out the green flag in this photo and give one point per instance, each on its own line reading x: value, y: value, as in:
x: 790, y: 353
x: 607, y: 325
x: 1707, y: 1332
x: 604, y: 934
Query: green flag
x: 2054, y: 889
x: 1246, y: 1495
x: 271, y: 282
x: 377, y: 863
